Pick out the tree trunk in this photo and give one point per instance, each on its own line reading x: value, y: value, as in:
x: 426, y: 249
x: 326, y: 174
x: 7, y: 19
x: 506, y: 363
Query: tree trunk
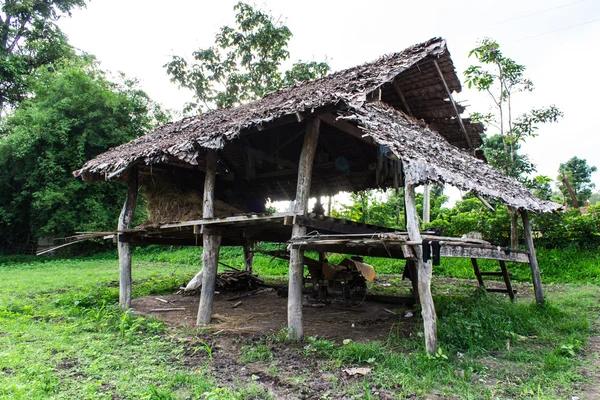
x: 533, y: 263
x: 305, y: 165
x: 424, y: 271
x: 211, y: 243
x: 125, y: 219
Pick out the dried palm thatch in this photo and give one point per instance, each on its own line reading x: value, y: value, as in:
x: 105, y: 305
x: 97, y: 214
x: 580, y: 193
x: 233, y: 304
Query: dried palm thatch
x: 169, y: 202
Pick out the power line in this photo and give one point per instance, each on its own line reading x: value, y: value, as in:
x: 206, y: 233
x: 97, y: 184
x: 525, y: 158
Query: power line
x: 559, y: 30
x: 536, y: 13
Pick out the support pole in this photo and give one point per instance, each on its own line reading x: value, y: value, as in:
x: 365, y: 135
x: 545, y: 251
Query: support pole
x: 125, y: 218
x: 311, y: 137
x: 533, y: 263
x: 248, y: 255
x: 426, y: 203
x: 424, y: 270
x: 211, y: 243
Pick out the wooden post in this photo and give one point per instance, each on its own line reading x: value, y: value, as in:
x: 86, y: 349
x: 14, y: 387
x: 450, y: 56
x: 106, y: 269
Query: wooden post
x: 211, y: 243
x: 533, y: 263
x: 248, y: 255
x: 426, y: 203
x: 414, y: 278
x: 424, y: 270
x: 123, y: 247
x: 296, y: 271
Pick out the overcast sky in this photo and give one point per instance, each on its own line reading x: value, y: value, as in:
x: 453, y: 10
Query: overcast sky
x: 557, y: 40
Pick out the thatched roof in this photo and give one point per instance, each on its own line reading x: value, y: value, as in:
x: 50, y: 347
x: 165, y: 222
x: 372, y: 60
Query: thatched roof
x: 424, y: 95
x: 430, y: 158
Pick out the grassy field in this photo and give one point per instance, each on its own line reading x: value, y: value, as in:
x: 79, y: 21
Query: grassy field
x: 62, y: 336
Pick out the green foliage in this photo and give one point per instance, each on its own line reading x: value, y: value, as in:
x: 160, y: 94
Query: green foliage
x: 386, y: 208
x: 244, y: 63
x: 29, y: 39
x: 501, y: 78
x: 579, y: 175
x: 75, y: 113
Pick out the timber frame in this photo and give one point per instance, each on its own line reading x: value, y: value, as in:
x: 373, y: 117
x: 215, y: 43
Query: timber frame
x: 390, y: 123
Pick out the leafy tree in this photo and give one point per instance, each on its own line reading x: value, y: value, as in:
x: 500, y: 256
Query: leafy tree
x: 75, y: 113
x: 576, y: 175
x: 243, y: 64
x: 502, y: 78
x: 29, y: 38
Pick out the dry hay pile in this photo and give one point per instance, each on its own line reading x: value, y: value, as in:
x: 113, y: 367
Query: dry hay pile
x: 169, y: 202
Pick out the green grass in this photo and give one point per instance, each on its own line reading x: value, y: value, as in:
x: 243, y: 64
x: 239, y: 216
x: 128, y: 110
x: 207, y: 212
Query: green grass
x: 62, y: 335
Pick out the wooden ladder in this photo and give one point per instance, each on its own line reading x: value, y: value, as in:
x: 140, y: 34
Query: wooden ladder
x: 503, y: 273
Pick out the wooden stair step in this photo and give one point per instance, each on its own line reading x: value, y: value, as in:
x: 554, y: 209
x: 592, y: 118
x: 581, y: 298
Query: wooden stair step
x: 499, y: 290
x: 498, y: 273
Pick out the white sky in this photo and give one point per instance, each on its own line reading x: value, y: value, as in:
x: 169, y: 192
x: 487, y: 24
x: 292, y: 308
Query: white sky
x: 556, y: 39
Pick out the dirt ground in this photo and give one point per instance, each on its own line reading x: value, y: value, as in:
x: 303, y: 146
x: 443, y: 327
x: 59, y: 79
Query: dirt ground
x: 288, y: 374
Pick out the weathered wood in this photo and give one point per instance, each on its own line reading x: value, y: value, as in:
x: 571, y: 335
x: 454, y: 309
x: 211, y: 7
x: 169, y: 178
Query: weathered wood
x: 305, y: 164
x: 127, y: 214
x: 533, y: 263
x: 210, y: 250
x: 477, y: 272
x: 488, y: 253
x: 458, y: 117
x: 346, y: 127
x: 413, y: 270
x: 424, y: 271
x: 250, y: 219
x: 426, y: 203
x: 506, y: 277
x: 248, y: 255
x: 401, y: 96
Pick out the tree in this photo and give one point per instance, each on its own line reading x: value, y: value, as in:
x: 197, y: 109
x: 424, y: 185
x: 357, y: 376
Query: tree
x: 575, y: 181
x: 74, y: 114
x: 244, y: 63
x: 29, y: 38
x: 502, y: 78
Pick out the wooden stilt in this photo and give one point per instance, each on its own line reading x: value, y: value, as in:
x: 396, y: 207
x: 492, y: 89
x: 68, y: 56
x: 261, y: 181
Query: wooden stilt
x: 305, y: 164
x: 477, y: 272
x: 211, y: 243
x: 506, y: 277
x: 426, y: 203
x: 424, y: 271
x: 413, y: 269
x: 533, y: 263
x: 125, y: 218
x: 248, y: 255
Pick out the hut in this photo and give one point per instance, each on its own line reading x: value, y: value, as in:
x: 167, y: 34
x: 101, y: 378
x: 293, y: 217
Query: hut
x: 389, y: 123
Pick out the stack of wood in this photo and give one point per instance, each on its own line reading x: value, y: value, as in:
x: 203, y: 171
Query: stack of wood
x: 232, y: 281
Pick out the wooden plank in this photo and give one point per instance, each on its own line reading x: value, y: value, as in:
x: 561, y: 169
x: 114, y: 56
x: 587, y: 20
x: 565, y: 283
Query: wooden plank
x: 489, y: 253
x: 296, y: 269
x: 250, y: 218
x: 127, y: 214
x: 336, y: 226
x: 533, y: 263
x: 400, y: 94
x: 424, y: 270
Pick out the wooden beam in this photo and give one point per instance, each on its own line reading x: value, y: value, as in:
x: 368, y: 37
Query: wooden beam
x: 533, y: 263
x: 458, y: 117
x: 346, y: 127
x: 424, y: 270
x: 127, y: 214
x: 296, y: 269
x: 426, y: 203
x: 396, y: 86
x: 210, y: 250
